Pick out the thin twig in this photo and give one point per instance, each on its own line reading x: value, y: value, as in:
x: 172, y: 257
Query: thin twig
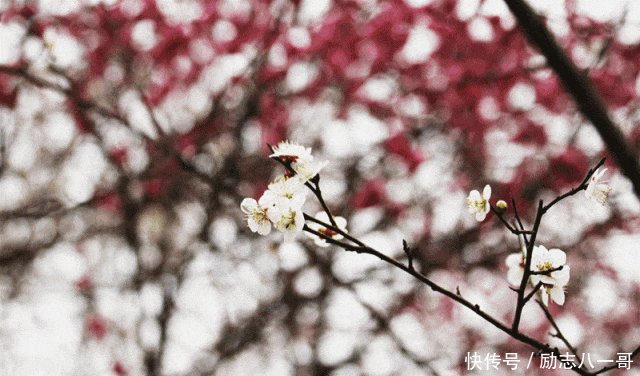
x: 527, y: 269
x: 409, y: 252
x: 558, y: 331
x: 437, y: 288
x: 583, y: 185
x: 580, y: 87
x: 546, y: 272
x: 533, y: 292
x: 506, y: 224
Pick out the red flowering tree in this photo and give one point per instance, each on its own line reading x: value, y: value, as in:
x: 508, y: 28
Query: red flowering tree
x: 133, y: 129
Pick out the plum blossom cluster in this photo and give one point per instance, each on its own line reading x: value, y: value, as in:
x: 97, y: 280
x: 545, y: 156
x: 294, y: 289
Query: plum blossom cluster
x: 548, y: 274
x: 595, y: 189
x: 281, y: 204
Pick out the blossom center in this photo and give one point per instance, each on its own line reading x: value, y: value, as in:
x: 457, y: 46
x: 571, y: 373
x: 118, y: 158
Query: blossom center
x: 477, y: 205
x: 288, y: 220
x: 289, y: 158
x: 545, y: 266
x: 259, y: 215
x: 601, y: 194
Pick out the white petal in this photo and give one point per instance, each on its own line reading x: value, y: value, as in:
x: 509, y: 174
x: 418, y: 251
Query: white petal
x: 322, y: 216
x: 268, y: 198
x: 557, y: 294
x: 561, y: 277
x: 299, y: 220
x: 481, y: 216
x: 314, y: 226
x: 297, y: 201
x: 248, y: 205
x: 277, y: 209
x: 514, y: 276
x: 475, y: 195
x: 486, y: 192
x: 264, y: 228
x: 514, y: 260
x: 542, y: 250
x: 342, y: 223
x: 589, y: 191
x: 547, y: 279
x: 544, y: 296
x: 253, y: 225
x: 557, y: 257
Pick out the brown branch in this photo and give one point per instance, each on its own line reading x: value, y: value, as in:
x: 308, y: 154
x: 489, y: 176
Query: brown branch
x: 533, y: 292
x: 519, y: 222
x: 437, y: 288
x: 577, y: 189
x: 527, y: 270
x: 580, y: 87
x: 506, y: 224
x: 558, y: 333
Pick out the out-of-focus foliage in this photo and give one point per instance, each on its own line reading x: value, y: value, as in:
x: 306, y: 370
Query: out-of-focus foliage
x: 131, y: 131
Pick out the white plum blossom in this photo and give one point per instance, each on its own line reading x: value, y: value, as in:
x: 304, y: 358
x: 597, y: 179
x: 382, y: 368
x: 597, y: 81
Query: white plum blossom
x: 289, y: 220
x: 322, y: 216
x: 556, y: 291
x: 308, y: 168
x: 281, y: 204
x: 291, y: 189
x: 553, y: 282
x: 256, y: 215
x: 596, y: 190
x: 291, y: 152
x: 299, y: 158
x: 479, y: 205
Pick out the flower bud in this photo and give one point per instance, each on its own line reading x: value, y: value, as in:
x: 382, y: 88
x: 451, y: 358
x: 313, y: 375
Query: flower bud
x: 501, y: 204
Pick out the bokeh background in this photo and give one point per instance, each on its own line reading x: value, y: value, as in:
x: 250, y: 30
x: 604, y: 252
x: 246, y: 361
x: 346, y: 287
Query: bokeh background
x: 131, y: 130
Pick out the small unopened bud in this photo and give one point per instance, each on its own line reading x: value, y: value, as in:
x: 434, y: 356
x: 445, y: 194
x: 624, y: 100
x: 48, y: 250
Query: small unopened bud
x: 501, y: 204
